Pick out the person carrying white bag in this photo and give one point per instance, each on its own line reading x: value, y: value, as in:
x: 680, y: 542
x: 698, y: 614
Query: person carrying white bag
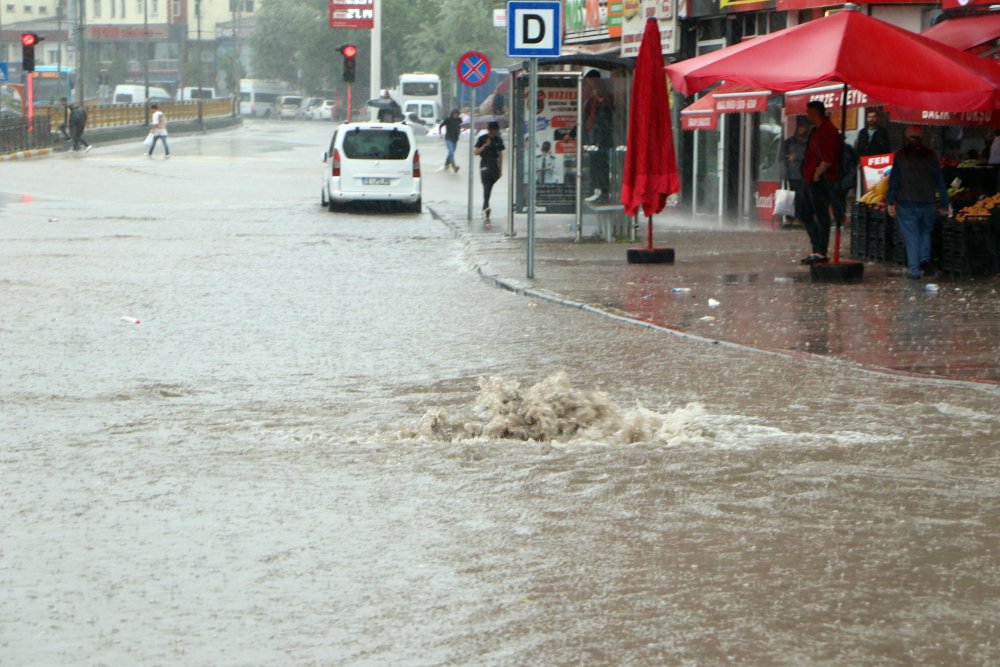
x: 157, y: 132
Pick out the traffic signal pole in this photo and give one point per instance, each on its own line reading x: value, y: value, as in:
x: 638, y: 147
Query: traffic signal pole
x: 376, y: 51
x: 349, y: 86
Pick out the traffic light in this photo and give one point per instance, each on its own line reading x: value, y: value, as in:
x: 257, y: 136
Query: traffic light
x: 350, y: 52
x: 28, y: 42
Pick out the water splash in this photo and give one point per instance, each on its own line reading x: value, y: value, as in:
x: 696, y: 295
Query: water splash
x: 553, y: 410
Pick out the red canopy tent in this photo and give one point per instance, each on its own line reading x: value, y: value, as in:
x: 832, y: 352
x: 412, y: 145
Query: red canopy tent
x: 852, y: 48
x: 966, y: 32
x: 887, y: 62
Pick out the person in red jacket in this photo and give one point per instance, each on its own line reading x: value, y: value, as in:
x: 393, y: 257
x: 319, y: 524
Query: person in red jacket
x: 819, y: 171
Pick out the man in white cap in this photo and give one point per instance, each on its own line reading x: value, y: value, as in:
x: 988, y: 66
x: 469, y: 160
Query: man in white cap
x: 915, y: 185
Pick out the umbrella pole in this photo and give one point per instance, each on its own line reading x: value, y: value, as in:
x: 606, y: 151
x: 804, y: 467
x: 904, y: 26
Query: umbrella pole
x: 649, y: 223
x: 843, y: 128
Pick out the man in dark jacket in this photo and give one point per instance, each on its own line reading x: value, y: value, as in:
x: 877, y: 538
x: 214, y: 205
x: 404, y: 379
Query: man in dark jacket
x: 916, y: 194
x: 77, y: 124
x: 872, y: 140
x: 452, y: 130
x: 820, y: 172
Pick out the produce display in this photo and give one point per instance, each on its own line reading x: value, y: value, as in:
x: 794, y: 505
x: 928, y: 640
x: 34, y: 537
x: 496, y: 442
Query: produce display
x: 980, y: 209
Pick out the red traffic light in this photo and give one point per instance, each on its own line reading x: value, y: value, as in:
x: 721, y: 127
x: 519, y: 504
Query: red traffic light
x: 29, y: 39
x: 349, y: 51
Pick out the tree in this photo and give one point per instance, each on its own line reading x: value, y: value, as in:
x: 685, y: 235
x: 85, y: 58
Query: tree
x: 292, y: 41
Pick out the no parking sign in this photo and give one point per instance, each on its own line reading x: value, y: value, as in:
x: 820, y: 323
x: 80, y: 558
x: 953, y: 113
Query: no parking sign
x: 473, y: 69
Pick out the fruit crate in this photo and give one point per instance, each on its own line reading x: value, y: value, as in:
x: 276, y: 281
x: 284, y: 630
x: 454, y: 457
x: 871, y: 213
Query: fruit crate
x: 968, y: 248
x: 880, y: 235
x: 859, y: 230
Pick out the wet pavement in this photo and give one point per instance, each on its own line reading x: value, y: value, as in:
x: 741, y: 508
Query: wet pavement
x: 946, y: 327
x: 328, y: 442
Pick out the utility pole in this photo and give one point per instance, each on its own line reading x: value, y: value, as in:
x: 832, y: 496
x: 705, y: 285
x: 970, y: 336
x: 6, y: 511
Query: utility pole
x: 81, y: 29
x: 236, y: 59
x: 376, y: 51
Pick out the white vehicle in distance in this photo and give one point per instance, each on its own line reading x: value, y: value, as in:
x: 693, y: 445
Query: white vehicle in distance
x: 371, y: 161
x: 308, y: 104
x: 289, y: 106
x: 257, y: 98
x: 323, y: 111
x: 189, y: 93
x: 127, y: 93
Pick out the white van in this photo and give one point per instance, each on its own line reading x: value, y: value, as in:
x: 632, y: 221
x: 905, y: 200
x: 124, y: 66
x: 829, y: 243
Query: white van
x: 425, y: 112
x: 372, y: 162
x: 258, y: 98
x: 188, y: 93
x: 127, y: 93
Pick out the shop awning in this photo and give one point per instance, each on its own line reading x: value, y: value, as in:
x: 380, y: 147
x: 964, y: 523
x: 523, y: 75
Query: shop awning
x: 831, y: 94
x: 966, y: 32
x: 703, y: 114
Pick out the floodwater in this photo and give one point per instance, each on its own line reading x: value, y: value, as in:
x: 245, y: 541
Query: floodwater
x: 326, y: 441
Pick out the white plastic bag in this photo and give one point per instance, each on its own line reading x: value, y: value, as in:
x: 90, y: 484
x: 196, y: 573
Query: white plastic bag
x: 148, y: 142
x: 784, y: 202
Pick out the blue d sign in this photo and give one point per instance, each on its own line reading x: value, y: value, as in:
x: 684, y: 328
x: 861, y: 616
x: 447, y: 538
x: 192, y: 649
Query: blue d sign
x: 533, y: 29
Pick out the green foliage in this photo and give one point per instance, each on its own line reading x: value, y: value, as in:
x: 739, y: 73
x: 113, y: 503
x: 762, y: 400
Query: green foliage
x: 293, y: 42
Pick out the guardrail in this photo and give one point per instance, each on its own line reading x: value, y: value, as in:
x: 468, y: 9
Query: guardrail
x: 119, y: 115
x: 17, y: 134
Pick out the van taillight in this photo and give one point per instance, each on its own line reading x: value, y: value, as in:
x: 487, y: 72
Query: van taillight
x: 336, y: 162
x: 416, y: 164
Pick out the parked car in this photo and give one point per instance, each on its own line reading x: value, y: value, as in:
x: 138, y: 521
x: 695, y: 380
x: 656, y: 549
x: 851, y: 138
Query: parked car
x: 372, y: 162
x: 289, y: 106
x: 323, y: 111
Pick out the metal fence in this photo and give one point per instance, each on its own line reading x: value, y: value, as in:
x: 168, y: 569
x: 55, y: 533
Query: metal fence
x: 20, y: 134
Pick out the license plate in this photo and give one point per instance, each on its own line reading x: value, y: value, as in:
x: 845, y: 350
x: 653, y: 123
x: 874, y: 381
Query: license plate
x: 375, y: 181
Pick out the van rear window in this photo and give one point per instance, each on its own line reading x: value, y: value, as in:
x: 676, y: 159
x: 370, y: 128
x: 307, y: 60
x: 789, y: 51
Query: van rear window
x: 376, y: 144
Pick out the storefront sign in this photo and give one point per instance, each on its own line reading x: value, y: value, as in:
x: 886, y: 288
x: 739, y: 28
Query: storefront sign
x: 352, y: 14
x: 962, y: 118
x: 634, y: 24
x: 831, y: 96
x: 592, y: 20
x: 960, y: 4
x: 116, y: 32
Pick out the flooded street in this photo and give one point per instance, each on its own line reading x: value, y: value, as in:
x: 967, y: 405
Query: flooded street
x: 320, y: 444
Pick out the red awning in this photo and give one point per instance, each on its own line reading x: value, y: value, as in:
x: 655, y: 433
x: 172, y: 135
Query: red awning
x: 703, y: 114
x: 966, y: 32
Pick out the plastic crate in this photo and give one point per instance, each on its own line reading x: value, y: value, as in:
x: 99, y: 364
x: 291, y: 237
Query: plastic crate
x: 878, y: 244
x: 859, y: 230
x: 898, y: 246
x: 968, y: 247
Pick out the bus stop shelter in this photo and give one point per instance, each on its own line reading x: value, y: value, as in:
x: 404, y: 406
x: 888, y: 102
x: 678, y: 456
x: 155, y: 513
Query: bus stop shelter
x: 581, y: 116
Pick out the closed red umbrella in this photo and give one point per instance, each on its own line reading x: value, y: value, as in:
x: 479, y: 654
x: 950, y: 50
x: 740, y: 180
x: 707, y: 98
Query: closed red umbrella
x: 650, y: 163
x: 889, y: 63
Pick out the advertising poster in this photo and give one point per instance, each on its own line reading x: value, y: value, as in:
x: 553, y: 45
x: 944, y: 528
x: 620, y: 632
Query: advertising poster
x: 555, y: 148
x: 874, y: 168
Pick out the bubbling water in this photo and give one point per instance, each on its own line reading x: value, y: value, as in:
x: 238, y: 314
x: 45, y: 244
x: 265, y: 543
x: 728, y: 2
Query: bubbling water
x: 554, y: 410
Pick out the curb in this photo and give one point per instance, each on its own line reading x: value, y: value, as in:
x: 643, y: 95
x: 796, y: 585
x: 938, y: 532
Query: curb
x: 25, y: 155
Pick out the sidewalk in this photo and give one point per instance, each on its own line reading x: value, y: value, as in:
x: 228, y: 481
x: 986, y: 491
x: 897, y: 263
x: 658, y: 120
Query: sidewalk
x: 765, y: 298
